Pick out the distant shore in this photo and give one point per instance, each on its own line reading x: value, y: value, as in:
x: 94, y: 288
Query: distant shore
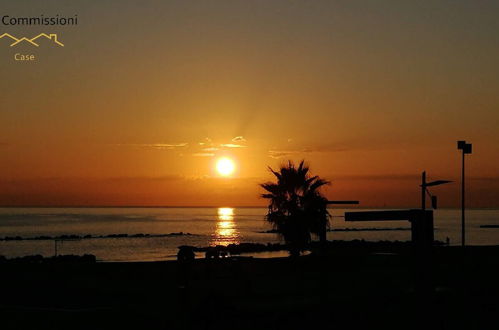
x: 88, y: 236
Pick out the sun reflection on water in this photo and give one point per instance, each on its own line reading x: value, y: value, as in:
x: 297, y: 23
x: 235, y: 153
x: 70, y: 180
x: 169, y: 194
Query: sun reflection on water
x: 226, y: 229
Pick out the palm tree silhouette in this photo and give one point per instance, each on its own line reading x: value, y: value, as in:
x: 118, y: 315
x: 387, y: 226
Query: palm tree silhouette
x: 297, y: 209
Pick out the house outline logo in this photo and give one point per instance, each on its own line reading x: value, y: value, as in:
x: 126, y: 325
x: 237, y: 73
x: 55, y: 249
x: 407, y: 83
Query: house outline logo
x: 32, y: 41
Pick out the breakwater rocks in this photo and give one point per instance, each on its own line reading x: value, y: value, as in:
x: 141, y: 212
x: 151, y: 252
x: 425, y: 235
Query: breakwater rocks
x: 235, y: 249
x: 80, y: 237
x: 353, y: 245
x: 38, y: 259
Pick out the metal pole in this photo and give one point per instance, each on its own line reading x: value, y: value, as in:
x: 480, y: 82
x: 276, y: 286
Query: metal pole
x: 462, y: 204
x: 423, y: 190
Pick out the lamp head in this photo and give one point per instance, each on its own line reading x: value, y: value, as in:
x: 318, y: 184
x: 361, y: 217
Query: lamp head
x: 465, y: 147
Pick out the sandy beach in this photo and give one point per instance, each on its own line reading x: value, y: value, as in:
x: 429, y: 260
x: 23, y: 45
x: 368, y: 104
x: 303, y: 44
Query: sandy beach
x: 347, y: 288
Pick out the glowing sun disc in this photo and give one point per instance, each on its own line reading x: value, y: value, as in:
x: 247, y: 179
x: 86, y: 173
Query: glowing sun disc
x: 225, y: 166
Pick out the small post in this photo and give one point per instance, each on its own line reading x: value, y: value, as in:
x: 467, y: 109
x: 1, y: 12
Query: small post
x: 463, y: 207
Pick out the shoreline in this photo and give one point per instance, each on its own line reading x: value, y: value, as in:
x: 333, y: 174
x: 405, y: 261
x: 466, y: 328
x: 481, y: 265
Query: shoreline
x: 244, y: 250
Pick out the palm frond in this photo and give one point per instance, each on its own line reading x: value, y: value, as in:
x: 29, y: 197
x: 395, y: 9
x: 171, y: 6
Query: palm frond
x: 296, y: 206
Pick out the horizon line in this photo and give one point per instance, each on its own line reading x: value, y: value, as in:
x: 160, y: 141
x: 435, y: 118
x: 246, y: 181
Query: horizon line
x: 213, y: 207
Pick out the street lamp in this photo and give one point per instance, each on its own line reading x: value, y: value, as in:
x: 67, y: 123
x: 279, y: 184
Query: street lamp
x: 466, y: 149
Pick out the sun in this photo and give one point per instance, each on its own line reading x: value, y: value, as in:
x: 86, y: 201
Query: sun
x: 225, y: 166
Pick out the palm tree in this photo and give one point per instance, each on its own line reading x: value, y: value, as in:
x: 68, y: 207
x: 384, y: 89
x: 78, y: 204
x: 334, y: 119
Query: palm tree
x: 297, y: 209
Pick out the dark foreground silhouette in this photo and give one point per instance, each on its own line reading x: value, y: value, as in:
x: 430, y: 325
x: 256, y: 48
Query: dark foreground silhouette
x: 347, y: 286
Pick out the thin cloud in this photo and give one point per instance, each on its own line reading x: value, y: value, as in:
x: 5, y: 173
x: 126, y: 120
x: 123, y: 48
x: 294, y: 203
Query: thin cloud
x: 276, y: 154
x: 167, y: 146
x: 232, y: 145
x: 485, y: 178
x: 203, y: 154
x: 380, y: 177
x: 74, y: 180
x: 172, y: 177
x: 239, y: 139
x: 207, y: 141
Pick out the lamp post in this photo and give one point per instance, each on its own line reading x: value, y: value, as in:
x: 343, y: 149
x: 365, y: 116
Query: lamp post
x: 466, y: 149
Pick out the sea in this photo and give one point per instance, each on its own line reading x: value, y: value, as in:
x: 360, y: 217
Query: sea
x: 154, y: 234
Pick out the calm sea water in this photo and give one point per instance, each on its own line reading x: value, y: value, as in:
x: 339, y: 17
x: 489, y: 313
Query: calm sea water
x: 208, y: 226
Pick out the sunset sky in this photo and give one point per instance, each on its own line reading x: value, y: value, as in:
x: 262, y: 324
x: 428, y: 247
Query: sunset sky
x: 146, y: 96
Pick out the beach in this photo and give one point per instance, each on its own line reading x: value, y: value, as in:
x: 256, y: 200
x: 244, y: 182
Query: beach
x: 355, y: 286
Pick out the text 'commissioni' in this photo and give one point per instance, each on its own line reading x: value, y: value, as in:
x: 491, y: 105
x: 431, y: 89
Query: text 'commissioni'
x: 40, y: 20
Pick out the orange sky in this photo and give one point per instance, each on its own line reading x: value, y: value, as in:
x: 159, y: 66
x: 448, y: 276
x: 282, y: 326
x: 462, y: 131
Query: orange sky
x: 145, y: 96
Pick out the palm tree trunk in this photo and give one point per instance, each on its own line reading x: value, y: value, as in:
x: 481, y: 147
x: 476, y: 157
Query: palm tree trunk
x: 322, y: 235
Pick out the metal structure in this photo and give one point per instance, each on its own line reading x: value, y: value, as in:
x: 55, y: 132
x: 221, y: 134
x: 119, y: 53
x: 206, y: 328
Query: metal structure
x: 323, y: 234
x: 421, y: 222
x: 343, y: 202
x: 424, y: 190
x: 466, y: 149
